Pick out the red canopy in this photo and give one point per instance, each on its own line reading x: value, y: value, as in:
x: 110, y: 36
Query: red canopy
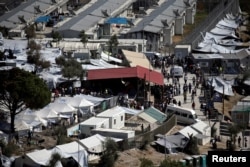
x: 128, y: 72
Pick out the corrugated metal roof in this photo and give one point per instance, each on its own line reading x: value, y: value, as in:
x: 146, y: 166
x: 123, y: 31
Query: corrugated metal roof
x: 156, y: 114
x: 92, y: 15
x: 27, y: 10
x: 27, y: 16
x: 84, y: 24
x: 132, y: 72
x: 7, y: 24
x: 148, y: 19
x: 42, y: 6
x: 147, y: 117
x: 46, y: 1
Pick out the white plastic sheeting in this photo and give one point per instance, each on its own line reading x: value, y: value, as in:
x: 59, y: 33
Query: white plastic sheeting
x: 131, y: 111
x: 216, y: 40
x: 108, y: 58
x: 74, y: 150
x: 42, y: 157
x: 221, y: 86
x: 102, y: 63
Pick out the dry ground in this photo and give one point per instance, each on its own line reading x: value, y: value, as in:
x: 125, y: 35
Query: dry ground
x: 132, y: 157
x: 228, y: 104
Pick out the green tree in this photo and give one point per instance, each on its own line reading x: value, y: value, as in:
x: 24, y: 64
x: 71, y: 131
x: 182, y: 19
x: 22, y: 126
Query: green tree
x: 70, y: 67
x: 34, y: 56
x: 19, y: 88
x: 110, y: 154
x: 4, y: 31
x: 168, y: 162
x: 54, y: 159
x: 112, y: 44
x: 146, y: 163
x: 30, y: 32
x: 192, y: 146
x: 57, y: 37
x: 2, y: 57
x: 84, y: 38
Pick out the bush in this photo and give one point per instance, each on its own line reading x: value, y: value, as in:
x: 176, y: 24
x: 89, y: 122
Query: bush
x: 110, y: 154
x: 168, y: 162
x: 8, y: 149
x: 146, y: 163
x: 192, y: 146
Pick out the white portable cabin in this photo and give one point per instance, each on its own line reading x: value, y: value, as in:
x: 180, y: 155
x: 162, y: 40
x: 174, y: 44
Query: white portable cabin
x: 183, y: 115
x: 202, y: 128
x: 116, y: 133
x: 116, y: 116
x: 93, y: 123
x: 182, y: 51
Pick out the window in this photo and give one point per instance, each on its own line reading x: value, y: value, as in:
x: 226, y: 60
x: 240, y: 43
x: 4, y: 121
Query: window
x: 114, y: 121
x: 121, y: 118
x: 191, y: 116
x: 184, y: 115
x: 177, y: 113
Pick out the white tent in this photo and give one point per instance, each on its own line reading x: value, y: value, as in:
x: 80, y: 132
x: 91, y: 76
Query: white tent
x: 46, y: 115
x: 62, y: 108
x: 27, y: 120
x: 95, y: 100
x: 76, y: 101
x: 79, y: 103
x: 95, y: 143
x: 40, y: 157
x: 74, y: 150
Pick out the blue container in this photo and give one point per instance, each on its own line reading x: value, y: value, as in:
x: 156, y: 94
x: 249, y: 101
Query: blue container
x: 203, y: 160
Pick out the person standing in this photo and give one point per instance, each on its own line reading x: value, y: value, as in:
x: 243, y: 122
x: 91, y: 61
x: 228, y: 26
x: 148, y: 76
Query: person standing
x: 245, y: 139
x: 239, y: 141
x: 193, y: 105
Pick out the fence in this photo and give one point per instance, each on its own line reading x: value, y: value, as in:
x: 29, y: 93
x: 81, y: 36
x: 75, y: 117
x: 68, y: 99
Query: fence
x: 140, y: 141
x: 223, y: 7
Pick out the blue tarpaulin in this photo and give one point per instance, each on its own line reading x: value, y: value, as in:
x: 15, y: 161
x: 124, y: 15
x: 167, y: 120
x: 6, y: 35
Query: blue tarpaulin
x: 43, y: 19
x: 117, y: 20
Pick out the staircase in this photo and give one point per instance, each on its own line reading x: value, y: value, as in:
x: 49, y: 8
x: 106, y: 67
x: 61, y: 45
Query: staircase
x: 224, y: 129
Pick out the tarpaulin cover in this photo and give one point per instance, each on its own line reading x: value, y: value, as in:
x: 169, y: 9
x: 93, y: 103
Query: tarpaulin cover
x: 117, y: 20
x: 43, y: 19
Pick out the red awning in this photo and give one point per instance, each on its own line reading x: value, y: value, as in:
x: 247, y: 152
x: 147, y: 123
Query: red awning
x: 128, y: 72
